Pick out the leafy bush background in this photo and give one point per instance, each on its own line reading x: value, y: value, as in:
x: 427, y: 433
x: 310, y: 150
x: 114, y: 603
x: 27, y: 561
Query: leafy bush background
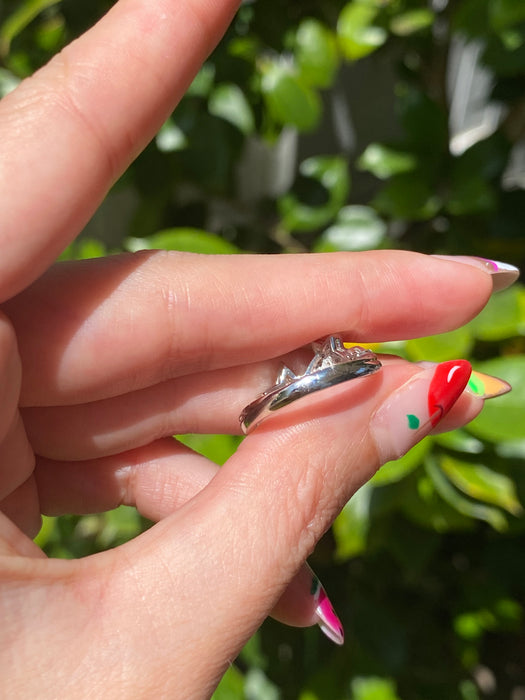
x: 319, y: 126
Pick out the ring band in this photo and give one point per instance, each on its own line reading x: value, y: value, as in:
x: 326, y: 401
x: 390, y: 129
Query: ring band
x: 332, y: 364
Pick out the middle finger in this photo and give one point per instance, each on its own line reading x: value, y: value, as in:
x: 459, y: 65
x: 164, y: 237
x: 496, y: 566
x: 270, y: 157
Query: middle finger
x: 209, y: 402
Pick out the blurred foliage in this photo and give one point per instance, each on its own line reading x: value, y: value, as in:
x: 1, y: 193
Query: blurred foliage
x: 325, y: 126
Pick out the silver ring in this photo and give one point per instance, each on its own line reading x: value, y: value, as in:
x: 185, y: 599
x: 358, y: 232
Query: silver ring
x: 332, y: 364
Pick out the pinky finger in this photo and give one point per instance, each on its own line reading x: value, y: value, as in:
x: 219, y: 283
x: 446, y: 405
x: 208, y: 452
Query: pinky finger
x: 21, y: 507
x: 158, y: 479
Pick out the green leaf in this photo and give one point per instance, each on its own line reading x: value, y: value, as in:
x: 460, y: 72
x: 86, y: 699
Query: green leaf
x: 438, y: 348
x: 351, y: 527
x: 425, y: 123
x: 482, y: 483
x: 460, y: 441
x: 470, y: 18
x: 398, y: 469
x: 472, y: 195
x: 47, y: 531
x: 51, y: 34
x: 463, y: 505
x: 189, y: 240
x: 357, y: 34
x: 253, y: 653
x: 512, y: 449
x: 290, y: 101
x: 171, y: 138
x: 424, y: 507
x: 486, y: 159
x: 8, y: 82
x: 407, y: 23
x: 119, y: 525
x: 83, y: 250
x: 316, y: 53
x: 472, y: 625
x: 258, y: 686
x: 408, y: 196
x: 19, y: 20
x: 331, y: 172
x: 506, y: 13
x: 356, y: 228
x: 503, y: 418
x: 373, y: 688
x: 217, y: 448
x: 231, y: 686
x: 503, y: 614
x: 229, y: 102
x: 503, y: 317
x: 506, y: 55
x: 203, y: 82
x: 384, y: 162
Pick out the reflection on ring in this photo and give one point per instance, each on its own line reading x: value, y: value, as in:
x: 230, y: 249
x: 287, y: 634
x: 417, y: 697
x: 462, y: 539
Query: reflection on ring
x: 332, y: 364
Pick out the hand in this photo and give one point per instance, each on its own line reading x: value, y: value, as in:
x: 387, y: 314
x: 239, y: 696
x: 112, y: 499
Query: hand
x: 105, y: 360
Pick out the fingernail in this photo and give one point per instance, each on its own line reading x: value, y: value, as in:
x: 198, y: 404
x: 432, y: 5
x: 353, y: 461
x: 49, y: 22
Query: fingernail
x: 503, y: 274
x: 326, y: 617
x: 485, y: 386
x: 414, y: 409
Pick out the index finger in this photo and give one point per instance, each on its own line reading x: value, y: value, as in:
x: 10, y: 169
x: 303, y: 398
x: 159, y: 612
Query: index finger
x: 69, y: 131
x: 101, y: 328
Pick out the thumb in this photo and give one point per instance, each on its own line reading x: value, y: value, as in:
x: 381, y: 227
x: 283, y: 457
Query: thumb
x: 216, y: 568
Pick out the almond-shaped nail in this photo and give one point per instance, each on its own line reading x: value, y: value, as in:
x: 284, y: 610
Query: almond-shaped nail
x: 325, y: 614
x: 503, y: 274
x: 414, y: 409
x: 485, y: 386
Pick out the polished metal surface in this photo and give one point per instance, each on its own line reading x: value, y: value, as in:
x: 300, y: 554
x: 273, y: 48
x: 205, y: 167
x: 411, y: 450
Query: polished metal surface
x: 332, y: 364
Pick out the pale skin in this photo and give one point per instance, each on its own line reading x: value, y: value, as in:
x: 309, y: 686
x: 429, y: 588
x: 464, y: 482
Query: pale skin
x: 101, y: 362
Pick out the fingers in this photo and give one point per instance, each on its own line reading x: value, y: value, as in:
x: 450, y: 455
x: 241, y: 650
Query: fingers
x: 18, y: 496
x: 161, y: 475
x: 248, y: 532
x: 305, y: 603
x: 86, y: 115
x: 10, y: 375
x: 156, y: 479
x: 16, y: 458
x: 22, y: 507
x: 14, y: 543
x: 101, y: 328
x: 251, y: 528
x: 210, y: 402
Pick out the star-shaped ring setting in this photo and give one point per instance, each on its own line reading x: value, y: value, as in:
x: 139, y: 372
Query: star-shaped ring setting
x: 332, y: 364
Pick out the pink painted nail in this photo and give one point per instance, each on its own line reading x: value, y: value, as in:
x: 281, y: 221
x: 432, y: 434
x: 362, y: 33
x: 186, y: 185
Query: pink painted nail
x: 503, y: 274
x: 414, y: 409
x: 325, y: 614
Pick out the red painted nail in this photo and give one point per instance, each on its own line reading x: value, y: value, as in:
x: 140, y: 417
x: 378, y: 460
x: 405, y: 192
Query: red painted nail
x: 447, y: 385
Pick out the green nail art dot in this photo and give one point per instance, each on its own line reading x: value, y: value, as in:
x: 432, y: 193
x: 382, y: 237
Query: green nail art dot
x: 413, y: 422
